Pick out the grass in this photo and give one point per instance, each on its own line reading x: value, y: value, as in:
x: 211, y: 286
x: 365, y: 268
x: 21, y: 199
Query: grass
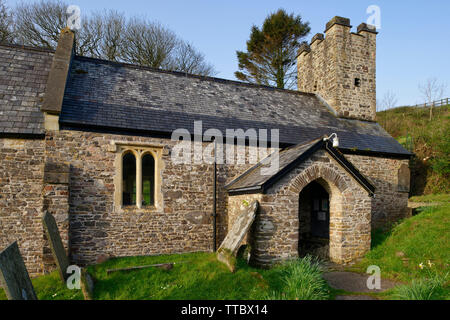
x: 300, y: 280
x: 422, y: 289
x: 196, y: 276
x: 415, y: 251
x: 429, y: 140
x: 200, y: 277
x: 50, y: 287
x: 431, y: 198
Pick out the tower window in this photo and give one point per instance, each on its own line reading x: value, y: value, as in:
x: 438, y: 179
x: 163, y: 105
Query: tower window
x: 357, y: 82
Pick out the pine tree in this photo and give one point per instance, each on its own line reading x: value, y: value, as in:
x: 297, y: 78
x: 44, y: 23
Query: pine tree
x: 272, y: 50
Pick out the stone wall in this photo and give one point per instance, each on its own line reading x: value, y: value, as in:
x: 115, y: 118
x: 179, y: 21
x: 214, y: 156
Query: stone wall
x: 55, y: 195
x: 97, y: 228
x: 330, y: 65
x: 90, y: 225
x: 389, y: 204
x: 182, y: 224
x: 21, y: 182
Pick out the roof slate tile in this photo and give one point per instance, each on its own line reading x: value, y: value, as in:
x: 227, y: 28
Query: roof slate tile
x: 23, y: 76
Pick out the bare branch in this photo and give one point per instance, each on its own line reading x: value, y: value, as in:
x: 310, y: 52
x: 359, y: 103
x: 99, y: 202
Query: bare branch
x: 389, y: 100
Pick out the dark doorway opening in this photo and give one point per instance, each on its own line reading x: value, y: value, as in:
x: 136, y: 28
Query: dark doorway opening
x: 314, y: 221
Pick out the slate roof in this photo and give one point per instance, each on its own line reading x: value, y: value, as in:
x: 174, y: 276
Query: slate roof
x: 106, y: 95
x: 23, y: 78
x: 259, y: 178
x: 102, y: 94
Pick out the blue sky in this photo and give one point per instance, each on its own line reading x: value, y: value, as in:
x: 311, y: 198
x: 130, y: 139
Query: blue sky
x: 412, y: 45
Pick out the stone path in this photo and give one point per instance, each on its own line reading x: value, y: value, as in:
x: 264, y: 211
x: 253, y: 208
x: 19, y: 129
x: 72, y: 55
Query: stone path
x: 355, y: 283
x: 355, y: 297
x: 415, y: 205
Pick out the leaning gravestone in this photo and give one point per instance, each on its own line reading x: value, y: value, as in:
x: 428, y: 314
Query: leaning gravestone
x: 56, y: 245
x: 230, y: 245
x: 14, y: 275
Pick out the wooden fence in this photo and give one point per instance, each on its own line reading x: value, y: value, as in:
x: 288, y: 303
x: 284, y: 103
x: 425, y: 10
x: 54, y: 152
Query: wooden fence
x: 437, y: 103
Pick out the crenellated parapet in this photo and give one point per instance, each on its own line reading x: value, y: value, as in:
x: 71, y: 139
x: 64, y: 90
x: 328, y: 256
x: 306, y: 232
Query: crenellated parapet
x: 340, y: 66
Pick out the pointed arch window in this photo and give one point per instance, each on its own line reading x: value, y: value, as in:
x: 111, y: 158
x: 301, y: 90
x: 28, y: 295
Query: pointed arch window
x: 138, y: 176
x: 148, y: 180
x: 129, y: 179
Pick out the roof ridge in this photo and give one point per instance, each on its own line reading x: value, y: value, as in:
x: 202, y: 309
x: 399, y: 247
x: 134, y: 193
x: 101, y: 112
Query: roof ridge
x: 24, y: 47
x: 191, y: 75
x: 263, y: 161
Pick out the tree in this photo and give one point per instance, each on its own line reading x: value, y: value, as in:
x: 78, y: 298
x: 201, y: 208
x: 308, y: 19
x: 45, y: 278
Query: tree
x: 108, y: 35
x: 189, y: 60
x: 148, y: 44
x: 6, y: 23
x: 272, y: 51
x: 102, y: 35
x: 151, y: 44
x: 389, y: 101
x: 39, y: 24
x: 432, y: 90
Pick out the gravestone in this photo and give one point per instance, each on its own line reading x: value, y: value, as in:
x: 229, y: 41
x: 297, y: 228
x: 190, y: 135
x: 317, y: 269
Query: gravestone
x: 56, y: 245
x: 230, y: 245
x: 14, y: 275
x: 404, y: 178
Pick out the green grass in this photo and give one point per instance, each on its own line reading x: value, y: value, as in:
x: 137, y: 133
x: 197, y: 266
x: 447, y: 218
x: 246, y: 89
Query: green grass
x: 50, y: 287
x: 201, y: 277
x: 415, y: 251
x: 431, y: 198
x: 429, y: 140
x: 422, y: 289
x: 300, y: 280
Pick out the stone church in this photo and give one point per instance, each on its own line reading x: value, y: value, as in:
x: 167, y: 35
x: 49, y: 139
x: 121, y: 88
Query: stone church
x: 90, y: 141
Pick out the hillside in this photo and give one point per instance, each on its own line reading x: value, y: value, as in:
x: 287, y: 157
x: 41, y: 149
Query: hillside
x: 415, y: 251
x: 429, y: 140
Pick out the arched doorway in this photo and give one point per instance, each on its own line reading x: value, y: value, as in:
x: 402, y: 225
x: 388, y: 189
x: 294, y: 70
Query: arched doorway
x: 314, y: 220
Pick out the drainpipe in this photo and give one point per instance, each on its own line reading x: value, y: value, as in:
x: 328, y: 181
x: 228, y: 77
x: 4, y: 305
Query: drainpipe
x: 215, y: 198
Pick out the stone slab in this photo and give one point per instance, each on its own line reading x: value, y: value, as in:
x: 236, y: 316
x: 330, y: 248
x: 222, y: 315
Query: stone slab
x: 355, y: 297
x: 354, y: 282
x: 404, y: 178
x: 230, y: 245
x: 56, y: 245
x: 57, y: 173
x: 87, y: 285
x: 14, y: 275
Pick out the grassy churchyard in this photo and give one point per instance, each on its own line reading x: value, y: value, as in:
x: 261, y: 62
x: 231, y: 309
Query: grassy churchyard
x: 197, y: 276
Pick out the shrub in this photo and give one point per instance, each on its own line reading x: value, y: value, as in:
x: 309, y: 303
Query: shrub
x: 422, y: 289
x: 300, y: 279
